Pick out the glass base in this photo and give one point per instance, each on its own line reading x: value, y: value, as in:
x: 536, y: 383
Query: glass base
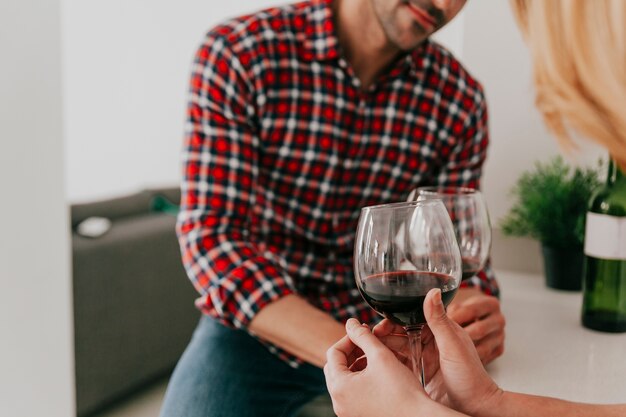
x: 604, y: 321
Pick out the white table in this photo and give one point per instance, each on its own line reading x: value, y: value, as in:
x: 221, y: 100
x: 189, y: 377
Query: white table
x: 548, y: 352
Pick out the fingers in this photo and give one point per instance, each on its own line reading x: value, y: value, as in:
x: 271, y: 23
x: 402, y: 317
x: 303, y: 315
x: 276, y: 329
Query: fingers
x: 359, y: 364
x: 427, y: 335
x: 393, y: 336
x: 484, y: 324
x: 387, y: 327
x: 445, y: 331
x: 337, y: 356
x: 490, y: 347
x: 480, y: 329
x: 397, y: 343
x: 430, y: 355
x: 363, y: 338
x: 350, y: 353
x: 435, y: 312
x: 474, y: 308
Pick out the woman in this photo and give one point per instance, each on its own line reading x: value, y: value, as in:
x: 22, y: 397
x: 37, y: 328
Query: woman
x: 578, y: 49
x: 385, y: 386
x: 579, y: 54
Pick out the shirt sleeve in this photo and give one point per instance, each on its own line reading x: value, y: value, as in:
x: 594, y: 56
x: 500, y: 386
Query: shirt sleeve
x: 234, y: 276
x: 463, y: 168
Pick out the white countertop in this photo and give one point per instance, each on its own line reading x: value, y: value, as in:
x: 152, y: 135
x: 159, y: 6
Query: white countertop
x: 548, y: 352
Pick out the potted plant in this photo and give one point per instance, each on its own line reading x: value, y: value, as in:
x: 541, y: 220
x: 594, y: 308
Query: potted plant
x: 550, y: 206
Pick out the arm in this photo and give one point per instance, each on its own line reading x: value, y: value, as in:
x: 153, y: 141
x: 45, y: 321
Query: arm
x: 304, y: 330
x: 236, y: 278
x: 512, y: 404
x: 461, y: 382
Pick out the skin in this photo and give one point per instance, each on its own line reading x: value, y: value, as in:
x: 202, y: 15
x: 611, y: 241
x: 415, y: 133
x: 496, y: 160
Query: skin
x: 483, y: 321
x: 457, y: 378
x: 361, y: 375
x: 396, y: 389
x: 407, y: 23
x: 372, y: 33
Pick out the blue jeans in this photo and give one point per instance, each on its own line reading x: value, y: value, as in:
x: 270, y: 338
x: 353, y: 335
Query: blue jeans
x: 227, y: 373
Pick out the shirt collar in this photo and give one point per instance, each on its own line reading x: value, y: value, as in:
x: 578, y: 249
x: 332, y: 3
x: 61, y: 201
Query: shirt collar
x: 321, y: 41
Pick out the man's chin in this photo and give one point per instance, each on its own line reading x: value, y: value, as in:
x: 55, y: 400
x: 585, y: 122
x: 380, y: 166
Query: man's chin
x: 412, y: 41
x: 409, y: 46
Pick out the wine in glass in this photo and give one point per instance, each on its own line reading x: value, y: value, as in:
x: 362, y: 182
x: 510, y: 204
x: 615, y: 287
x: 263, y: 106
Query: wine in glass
x: 468, y: 211
x: 402, y: 251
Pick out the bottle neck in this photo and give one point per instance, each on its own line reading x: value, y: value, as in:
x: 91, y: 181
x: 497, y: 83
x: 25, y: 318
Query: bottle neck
x: 615, y: 173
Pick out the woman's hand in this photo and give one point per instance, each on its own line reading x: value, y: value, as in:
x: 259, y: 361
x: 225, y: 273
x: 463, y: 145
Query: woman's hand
x: 366, y: 379
x: 453, y: 369
x: 457, y: 376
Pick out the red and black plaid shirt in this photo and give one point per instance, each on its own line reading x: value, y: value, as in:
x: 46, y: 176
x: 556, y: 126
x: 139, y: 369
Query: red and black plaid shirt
x: 283, y: 149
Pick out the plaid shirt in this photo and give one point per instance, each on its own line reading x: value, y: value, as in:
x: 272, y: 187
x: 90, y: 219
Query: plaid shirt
x: 283, y: 149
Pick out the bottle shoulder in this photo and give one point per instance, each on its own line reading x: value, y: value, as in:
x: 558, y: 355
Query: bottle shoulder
x: 610, y: 199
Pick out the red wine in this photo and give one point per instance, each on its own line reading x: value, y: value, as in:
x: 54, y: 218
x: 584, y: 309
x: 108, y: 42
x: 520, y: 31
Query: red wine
x: 470, y: 268
x: 399, y: 296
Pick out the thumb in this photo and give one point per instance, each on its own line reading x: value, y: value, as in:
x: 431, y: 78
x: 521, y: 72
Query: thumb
x: 435, y: 314
x: 363, y: 338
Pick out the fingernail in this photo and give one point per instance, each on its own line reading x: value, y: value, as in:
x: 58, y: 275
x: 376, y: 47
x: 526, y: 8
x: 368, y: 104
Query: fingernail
x: 438, y: 297
x: 352, y: 324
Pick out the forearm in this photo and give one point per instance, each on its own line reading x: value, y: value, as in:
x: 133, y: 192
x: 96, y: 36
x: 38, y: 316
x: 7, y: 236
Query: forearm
x: 431, y: 409
x: 296, y: 326
x: 522, y: 405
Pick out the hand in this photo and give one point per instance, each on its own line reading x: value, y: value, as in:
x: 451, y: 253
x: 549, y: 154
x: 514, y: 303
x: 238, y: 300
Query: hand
x: 457, y: 376
x: 376, y: 385
x: 480, y: 316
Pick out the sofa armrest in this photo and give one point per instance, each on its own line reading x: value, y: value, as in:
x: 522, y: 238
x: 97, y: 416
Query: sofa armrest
x: 133, y: 308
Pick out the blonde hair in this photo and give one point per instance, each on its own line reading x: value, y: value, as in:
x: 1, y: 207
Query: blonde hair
x: 579, y: 58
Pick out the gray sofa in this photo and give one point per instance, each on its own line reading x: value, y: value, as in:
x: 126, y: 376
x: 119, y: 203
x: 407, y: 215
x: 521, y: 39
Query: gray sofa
x: 133, y: 304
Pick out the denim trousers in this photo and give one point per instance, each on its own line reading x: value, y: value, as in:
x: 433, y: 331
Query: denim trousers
x: 227, y: 373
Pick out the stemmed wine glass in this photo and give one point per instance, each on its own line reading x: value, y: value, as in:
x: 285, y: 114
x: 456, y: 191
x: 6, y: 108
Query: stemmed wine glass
x: 402, y: 251
x: 468, y: 211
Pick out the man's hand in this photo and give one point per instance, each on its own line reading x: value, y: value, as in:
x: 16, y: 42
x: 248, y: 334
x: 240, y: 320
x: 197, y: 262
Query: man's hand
x: 480, y: 316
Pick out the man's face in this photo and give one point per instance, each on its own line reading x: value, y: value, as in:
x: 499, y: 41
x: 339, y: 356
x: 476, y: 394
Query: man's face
x: 408, y: 22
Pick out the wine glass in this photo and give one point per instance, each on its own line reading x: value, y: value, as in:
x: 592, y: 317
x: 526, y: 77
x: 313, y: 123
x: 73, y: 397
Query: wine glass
x: 402, y: 251
x: 468, y: 211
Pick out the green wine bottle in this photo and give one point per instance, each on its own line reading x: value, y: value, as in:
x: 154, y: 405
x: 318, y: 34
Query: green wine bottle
x: 604, y: 300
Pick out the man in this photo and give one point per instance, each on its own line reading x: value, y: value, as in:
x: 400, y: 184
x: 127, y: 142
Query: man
x: 298, y: 117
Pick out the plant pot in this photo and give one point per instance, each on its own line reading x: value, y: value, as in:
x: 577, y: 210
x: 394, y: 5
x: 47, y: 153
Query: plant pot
x: 563, y: 267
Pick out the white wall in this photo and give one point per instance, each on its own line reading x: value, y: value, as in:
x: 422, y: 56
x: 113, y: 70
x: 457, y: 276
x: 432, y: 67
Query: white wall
x: 127, y: 65
x: 451, y: 35
x: 36, y: 355
x: 494, y: 52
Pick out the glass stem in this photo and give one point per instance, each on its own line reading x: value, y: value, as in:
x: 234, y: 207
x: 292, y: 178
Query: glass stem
x: 415, y: 343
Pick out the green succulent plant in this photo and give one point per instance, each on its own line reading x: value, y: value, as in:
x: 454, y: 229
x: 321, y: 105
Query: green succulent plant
x: 551, y: 203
